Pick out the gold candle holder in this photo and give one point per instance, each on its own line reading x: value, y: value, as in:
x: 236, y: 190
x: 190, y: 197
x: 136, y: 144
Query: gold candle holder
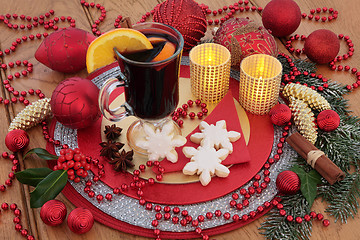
x: 260, y: 78
x: 209, y: 71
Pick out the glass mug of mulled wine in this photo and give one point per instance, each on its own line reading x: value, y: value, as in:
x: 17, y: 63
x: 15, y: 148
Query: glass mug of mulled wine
x: 151, y: 83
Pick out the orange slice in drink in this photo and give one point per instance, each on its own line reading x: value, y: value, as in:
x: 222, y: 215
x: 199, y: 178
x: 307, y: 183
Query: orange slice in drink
x: 100, y: 52
x: 166, y: 52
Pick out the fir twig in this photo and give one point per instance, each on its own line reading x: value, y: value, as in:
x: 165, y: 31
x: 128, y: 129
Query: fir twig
x: 277, y: 227
x: 342, y: 197
x: 341, y: 146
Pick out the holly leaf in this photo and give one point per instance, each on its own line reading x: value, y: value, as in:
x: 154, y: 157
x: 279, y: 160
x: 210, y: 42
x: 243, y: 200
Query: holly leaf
x: 309, y: 182
x: 42, y: 153
x: 48, y: 188
x: 33, y: 176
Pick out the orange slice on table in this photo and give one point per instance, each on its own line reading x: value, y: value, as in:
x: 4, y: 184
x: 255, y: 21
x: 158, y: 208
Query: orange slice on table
x: 100, y: 52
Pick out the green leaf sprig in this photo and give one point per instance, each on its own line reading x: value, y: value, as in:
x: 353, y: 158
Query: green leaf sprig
x: 48, y: 183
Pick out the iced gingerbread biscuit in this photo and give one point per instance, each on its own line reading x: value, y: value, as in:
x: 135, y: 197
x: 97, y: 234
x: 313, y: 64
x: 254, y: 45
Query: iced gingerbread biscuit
x: 215, y: 136
x: 161, y: 143
x: 206, y: 162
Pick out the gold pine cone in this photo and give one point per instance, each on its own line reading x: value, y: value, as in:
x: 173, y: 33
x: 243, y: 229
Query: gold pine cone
x: 306, y: 94
x: 32, y: 115
x: 304, y: 119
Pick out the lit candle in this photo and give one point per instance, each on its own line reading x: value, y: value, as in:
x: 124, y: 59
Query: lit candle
x: 260, y: 78
x: 209, y: 71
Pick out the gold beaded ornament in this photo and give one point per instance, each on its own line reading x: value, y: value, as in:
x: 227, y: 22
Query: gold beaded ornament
x: 32, y: 115
x: 304, y: 119
x: 306, y: 94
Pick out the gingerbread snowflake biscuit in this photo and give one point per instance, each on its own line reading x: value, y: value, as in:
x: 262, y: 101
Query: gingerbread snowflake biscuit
x: 206, y: 162
x: 215, y: 136
x: 161, y: 143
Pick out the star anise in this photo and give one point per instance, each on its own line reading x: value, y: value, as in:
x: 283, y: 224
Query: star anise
x: 110, y: 149
x: 124, y: 161
x: 112, y: 132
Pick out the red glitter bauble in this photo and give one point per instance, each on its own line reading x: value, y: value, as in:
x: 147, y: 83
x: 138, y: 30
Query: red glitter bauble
x: 65, y: 50
x: 280, y: 114
x: 16, y: 140
x: 328, y: 120
x: 288, y: 182
x: 80, y: 220
x: 282, y: 17
x: 74, y: 103
x: 53, y: 212
x: 322, y: 46
x: 243, y: 37
x: 184, y: 15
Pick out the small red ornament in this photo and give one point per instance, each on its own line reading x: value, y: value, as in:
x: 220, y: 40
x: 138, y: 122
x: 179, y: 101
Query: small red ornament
x: 288, y: 182
x: 282, y: 17
x: 184, y: 15
x: 243, y: 37
x: 74, y: 103
x: 280, y: 114
x: 53, y: 212
x: 80, y: 220
x: 65, y: 50
x: 17, y: 140
x: 322, y: 46
x: 328, y: 120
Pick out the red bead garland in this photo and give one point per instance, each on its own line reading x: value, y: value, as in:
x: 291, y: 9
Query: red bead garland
x: 182, y: 112
x: 97, y: 22
x: 17, y: 221
x: 333, y: 14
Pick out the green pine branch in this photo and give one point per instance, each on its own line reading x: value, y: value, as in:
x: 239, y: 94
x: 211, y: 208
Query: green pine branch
x: 342, y: 197
x: 277, y: 227
x: 341, y: 146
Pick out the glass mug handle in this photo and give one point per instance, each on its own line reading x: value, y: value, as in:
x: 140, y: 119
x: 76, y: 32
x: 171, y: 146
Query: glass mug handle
x: 109, y: 86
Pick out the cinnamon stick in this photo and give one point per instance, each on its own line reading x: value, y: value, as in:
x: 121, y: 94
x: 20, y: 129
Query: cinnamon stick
x: 322, y: 164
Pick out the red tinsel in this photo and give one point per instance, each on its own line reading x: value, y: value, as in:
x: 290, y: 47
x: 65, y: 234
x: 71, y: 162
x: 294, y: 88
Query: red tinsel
x: 288, y: 182
x: 80, y: 220
x: 328, y: 120
x: 53, y: 212
x: 16, y: 140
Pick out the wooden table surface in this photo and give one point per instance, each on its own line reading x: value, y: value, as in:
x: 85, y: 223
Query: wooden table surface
x: 46, y: 80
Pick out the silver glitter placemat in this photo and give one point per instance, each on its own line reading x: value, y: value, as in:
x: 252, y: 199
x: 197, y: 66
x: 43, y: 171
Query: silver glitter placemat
x: 127, y: 209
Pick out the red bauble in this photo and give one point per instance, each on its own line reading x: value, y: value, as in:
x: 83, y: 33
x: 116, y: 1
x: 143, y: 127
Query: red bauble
x: 328, y: 120
x: 243, y: 38
x: 282, y: 17
x: 16, y: 140
x: 322, y: 46
x: 280, y: 114
x: 184, y: 15
x: 288, y: 182
x: 80, y: 220
x: 74, y: 103
x: 53, y: 212
x: 65, y: 50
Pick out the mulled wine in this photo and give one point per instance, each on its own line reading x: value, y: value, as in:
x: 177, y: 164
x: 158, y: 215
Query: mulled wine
x: 152, y: 77
x: 151, y: 81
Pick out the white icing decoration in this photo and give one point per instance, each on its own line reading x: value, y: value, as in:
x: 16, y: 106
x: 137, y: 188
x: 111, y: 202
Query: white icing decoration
x: 215, y: 135
x: 161, y: 143
x: 206, y: 162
